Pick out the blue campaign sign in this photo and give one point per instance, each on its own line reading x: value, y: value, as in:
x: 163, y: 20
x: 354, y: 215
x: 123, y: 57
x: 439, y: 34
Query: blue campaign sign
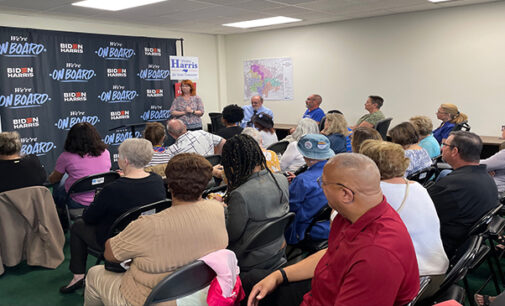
x: 51, y: 80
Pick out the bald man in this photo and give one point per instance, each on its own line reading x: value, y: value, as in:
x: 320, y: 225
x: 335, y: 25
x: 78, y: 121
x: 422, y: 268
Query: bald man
x: 313, y: 111
x: 197, y: 141
x: 370, y: 256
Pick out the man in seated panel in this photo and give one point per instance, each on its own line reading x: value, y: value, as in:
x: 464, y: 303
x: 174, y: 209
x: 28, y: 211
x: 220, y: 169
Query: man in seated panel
x: 255, y: 108
x: 466, y: 194
x: 370, y: 256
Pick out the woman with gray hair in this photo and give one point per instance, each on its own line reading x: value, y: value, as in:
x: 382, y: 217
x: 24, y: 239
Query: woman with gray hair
x: 135, y: 188
x: 292, y: 159
x: 18, y: 171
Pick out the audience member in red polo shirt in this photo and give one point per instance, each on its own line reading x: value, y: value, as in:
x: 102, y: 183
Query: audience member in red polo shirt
x: 370, y: 257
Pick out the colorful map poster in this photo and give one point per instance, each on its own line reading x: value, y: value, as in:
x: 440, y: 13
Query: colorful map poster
x: 272, y: 78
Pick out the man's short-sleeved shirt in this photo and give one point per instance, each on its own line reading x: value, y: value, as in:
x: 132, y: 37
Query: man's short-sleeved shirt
x: 199, y: 142
x: 372, y: 118
x: 372, y: 259
x: 315, y: 114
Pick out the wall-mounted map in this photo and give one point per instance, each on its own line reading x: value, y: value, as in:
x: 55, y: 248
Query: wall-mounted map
x: 271, y: 78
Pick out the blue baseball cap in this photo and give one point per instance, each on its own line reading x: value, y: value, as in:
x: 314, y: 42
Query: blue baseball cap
x: 315, y: 146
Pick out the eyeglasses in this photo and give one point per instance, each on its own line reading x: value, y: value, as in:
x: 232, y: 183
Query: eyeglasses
x: 321, y: 184
x: 448, y: 144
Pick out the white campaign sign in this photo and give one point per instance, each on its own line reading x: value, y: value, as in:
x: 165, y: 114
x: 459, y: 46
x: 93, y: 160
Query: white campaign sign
x: 183, y: 68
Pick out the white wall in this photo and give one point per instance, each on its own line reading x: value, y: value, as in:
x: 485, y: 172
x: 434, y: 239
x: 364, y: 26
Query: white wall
x: 416, y: 61
x: 204, y: 46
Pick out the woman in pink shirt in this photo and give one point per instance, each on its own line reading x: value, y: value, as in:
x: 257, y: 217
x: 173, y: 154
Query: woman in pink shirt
x: 85, y: 154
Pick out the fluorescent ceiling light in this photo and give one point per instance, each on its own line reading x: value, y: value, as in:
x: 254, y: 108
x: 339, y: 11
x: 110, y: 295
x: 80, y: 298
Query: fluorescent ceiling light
x: 261, y: 22
x: 114, y: 5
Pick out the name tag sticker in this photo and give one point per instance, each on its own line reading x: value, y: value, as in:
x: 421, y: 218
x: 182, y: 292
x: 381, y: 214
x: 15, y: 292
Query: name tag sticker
x: 98, y: 180
x: 149, y: 212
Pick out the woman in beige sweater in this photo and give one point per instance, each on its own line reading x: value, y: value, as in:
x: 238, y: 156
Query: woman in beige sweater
x: 159, y: 244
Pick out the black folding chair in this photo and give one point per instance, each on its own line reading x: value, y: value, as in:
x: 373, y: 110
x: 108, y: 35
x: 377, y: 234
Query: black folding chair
x: 424, y: 281
x: 183, y: 282
x: 423, y: 176
x: 310, y: 245
x: 265, y: 235
x: 461, y: 126
x: 214, y: 159
x: 382, y: 127
x: 279, y: 147
x: 215, y: 121
x: 122, y: 222
x: 94, y: 182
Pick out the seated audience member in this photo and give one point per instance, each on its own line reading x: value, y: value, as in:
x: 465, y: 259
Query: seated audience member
x: 349, y: 130
x: 155, y: 133
x: 360, y: 134
x: 161, y: 243
x: 85, y: 154
x: 405, y: 134
x: 370, y: 256
x: 135, y: 188
x: 18, y: 171
x: 372, y: 105
x: 450, y: 116
x: 313, y: 111
x: 306, y: 197
x: 255, y: 108
x: 465, y: 194
x: 292, y: 159
x: 271, y: 157
x: 496, y: 168
x: 424, y: 126
x: 254, y: 197
x: 232, y: 116
x: 265, y: 126
x: 415, y: 207
x: 198, y: 141
x: 335, y: 128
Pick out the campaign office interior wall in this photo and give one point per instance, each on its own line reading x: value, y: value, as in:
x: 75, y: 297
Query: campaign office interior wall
x: 415, y: 60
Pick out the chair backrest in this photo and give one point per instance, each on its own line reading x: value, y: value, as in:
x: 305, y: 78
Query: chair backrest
x: 461, y: 126
x: 183, y: 282
x: 482, y: 224
x: 279, y: 147
x: 265, y: 235
x: 423, y: 175
x: 383, y: 126
x: 322, y: 215
x: 214, y: 159
x: 215, y: 121
x: 424, y: 281
x: 93, y: 182
x: 462, y: 261
x: 221, y: 188
x: 149, y: 209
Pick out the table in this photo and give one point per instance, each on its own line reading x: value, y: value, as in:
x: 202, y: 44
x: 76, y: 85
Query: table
x: 282, y: 129
x: 491, y: 145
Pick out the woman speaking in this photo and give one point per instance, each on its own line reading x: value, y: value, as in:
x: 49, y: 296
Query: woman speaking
x: 188, y: 107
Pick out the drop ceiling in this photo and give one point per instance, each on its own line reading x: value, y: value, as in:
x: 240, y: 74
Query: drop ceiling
x: 207, y: 16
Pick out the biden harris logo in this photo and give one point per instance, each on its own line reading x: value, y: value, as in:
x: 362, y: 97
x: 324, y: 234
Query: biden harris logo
x: 19, y: 72
x: 75, y: 96
x: 35, y: 146
x: 115, y: 51
x: 118, y: 94
x: 23, y: 123
x: 23, y: 98
x: 154, y: 93
x: 116, y: 72
x: 72, y: 73
x: 21, y: 49
x: 71, y: 48
x: 152, y: 51
x: 121, y: 114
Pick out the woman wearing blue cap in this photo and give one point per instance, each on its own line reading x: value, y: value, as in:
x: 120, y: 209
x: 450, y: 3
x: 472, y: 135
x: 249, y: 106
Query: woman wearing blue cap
x: 306, y: 196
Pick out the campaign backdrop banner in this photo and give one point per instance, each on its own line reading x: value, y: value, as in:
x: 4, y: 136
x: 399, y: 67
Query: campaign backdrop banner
x: 51, y: 80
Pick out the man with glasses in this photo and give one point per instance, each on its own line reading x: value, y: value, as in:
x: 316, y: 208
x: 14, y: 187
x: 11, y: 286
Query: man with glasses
x: 466, y: 194
x: 254, y: 109
x: 370, y: 257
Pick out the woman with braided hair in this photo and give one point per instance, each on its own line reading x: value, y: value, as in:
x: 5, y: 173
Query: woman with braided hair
x: 254, y: 197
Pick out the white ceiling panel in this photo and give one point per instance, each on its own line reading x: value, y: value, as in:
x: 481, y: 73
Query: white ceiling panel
x: 207, y: 16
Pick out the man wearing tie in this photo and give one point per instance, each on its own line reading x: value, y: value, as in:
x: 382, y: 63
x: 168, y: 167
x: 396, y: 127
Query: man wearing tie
x: 255, y: 108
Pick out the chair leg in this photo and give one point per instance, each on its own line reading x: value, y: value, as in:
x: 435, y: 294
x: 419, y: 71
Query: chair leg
x: 493, y: 275
x: 468, y: 292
